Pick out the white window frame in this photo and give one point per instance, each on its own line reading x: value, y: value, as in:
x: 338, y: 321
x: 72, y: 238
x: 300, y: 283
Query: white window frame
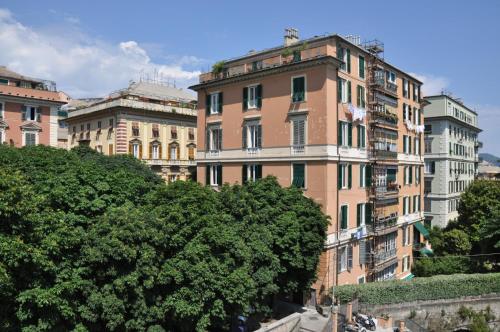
x: 362, y: 174
x: 213, y: 175
x: 343, y: 90
x: 29, y: 108
x: 214, y: 103
x: 363, y: 277
x: 343, y: 258
x: 362, y: 136
x: 406, y: 205
x: 252, y: 96
x: 406, y: 88
x: 406, y: 263
x: 392, y: 78
x: 173, y: 151
x: 362, y: 221
x: 2, y: 110
x: 251, y: 172
x: 24, y: 132
x: 155, y: 149
x: 416, y: 143
x: 359, y: 67
x: 344, y: 169
x: 345, y: 133
x: 251, y: 128
x: 406, y: 235
x: 417, y: 174
x: 212, y: 145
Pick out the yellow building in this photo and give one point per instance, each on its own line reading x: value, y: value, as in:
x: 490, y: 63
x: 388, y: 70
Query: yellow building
x: 153, y: 122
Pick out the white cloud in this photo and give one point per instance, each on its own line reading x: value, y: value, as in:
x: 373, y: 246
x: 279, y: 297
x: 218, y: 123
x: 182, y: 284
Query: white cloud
x: 81, y: 65
x: 432, y: 85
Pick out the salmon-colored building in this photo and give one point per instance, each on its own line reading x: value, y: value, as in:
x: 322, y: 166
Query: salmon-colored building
x: 330, y: 116
x: 28, y: 110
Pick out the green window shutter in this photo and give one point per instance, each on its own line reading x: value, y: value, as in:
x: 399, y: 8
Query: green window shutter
x: 411, y: 174
x: 298, y: 175
x: 358, y: 215
x: 404, y: 143
x: 207, y: 104
x: 363, y: 136
x: 368, y: 172
x: 207, y: 140
x: 343, y: 217
x: 348, y: 52
x: 258, y: 171
x: 361, y: 67
x: 339, y: 89
x: 340, y: 133
x: 244, y: 137
x: 358, y: 130
x: 339, y: 176
x: 349, y: 94
x: 349, y: 178
x: 409, y: 144
x: 219, y: 175
x: 207, y: 176
x: 38, y: 115
x: 259, y: 136
x: 258, y: 92
x: 358, y: 95
x: 404, y: 111
x: 349, y: 134
x: 368, y: 213
x: 361, y: 171
x: 220, y: 102
x: 404, y: 175
x: 244, y: 174
x: 245, y: 98
x: 298, y: 89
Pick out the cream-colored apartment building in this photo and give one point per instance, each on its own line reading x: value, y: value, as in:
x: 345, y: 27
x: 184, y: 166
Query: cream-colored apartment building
x: 153, y: 122
x: 330, y: 116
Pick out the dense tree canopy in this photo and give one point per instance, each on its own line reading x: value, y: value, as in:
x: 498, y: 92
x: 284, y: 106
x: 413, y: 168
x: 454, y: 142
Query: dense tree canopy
x: 93, y: 243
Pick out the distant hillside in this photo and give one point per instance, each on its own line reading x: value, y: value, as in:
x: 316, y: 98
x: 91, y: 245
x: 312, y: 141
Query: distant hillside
x: 494, y: 160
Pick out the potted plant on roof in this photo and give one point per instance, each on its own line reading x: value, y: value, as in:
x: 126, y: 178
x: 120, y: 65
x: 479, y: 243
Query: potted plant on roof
x: 286, y: 54
x: 217, y: 68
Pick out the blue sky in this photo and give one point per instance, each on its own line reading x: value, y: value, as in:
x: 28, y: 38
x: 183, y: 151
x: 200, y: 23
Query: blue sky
x: 93, y: 47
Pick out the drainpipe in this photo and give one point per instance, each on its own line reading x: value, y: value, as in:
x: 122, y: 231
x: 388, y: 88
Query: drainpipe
x: 337, y: 188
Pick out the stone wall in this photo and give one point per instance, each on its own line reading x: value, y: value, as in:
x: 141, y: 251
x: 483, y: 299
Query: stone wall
x: 288, y: 324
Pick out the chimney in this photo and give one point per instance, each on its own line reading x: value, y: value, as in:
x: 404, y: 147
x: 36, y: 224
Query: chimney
x: 291, y: 36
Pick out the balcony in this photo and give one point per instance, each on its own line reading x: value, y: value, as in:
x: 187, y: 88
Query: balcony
x: 386, y: 149
x: 253, y: 151
x: 385, y: 224
x: 384, y: 255
x: 385, y: 118
x: 388, y: 191
x: 297, y: 149
x: 170, y: 162
x: 383, y: 85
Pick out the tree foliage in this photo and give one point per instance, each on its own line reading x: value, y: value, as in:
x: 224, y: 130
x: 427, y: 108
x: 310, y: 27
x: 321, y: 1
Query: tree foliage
x: 93, y: 243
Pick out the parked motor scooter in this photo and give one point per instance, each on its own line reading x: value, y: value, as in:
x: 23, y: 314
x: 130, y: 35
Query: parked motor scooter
x: 366, y: 321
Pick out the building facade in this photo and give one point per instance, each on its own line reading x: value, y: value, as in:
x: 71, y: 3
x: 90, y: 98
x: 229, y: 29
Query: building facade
x: 327, y: 115
x: 28, y: 110
x: 153, y: 122
x: 451, y: 156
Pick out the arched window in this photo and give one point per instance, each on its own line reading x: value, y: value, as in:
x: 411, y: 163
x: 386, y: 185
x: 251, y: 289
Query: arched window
x: 155, y: 150
x: 191, y: 151
x: 135, y: 148
x: 173, y: 151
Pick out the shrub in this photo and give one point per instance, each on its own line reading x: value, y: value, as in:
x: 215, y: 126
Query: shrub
x: 432, y: 288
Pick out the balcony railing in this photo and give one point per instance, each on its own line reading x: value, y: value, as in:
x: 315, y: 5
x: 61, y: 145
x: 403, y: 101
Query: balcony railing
x: 170, y: 162
x: 386, y: 118
x: 253, y: 150
x: 385, y: 222
x: 383, y: 256
x: 386, y: 190
x: 298, y: 149
x: 382, y: 83
x: 214, y: 153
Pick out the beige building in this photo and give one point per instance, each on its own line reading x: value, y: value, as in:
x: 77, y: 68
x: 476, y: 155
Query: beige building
x: 153, y: 122
x: 330, y: 116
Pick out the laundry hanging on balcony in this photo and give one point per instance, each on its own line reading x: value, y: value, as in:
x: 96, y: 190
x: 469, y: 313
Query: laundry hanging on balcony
x: 357, y: 113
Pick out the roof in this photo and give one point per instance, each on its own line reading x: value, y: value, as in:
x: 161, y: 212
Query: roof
x: 36, y: 94
x: 155, y: 91
x: 310, y: 40
x: 4, y: 72
x: 488, y: 169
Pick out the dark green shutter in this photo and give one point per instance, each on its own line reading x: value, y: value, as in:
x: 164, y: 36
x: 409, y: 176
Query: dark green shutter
x: 220, y: 139
x: 207, y: 142
x: 349, y: 179
x: 358, y: 95
x: 339, y: 89
x: 405, y: 181
x: 358, y: 215
x: 343, y: 217
x: 207, y: 176
x: 244, y: 137
x: 220, y: 102
x: 409, y: 144
x: 404, y: 111
x: 358, y: 127
x: 298, y: 175
x: 404, y: 143
x: 348, y: 52
x: 258, y: 171
x: 349, y: 94
x: 339, y: 133
x: 368, y: 172
x: 339, y: 176
x: 207, y: 104
x: 245, y: 98
x: 368, y: 213
x: 361, y: 175
x: 411, y: 174
x: 259, y: 136
x: 349, y: 134
x: 219, y: 175
x: 361, y: 67
x: 258, y: 92
x: 244, y: 174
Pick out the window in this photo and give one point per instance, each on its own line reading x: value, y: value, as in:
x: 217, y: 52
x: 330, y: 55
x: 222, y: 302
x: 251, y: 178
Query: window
x: 30, y: 139
x: 173, y: 151
x: 344, y: 54
x: 361, y: 102
x: 427, y: 129
x: 408, y: 175
x: 298, y: 89
x: 391, y: 77
x: 111, y: 123
x: 252, y: 136
x: 416, y: 203
x: 173, y: 132
x: 430, y: 167
x: 344, y: 217
x: 252, y: 97
x: 361, y: 64
x: 344, y: 259
x: 406, y: 88
x: 427, y: 186
x: 417, y: 145
x: 31, y: 113
x: 155, y: 130
x: 110, y: 149
x: 298, y: 175
x: 344, y: 176
x: 136, y: 150
x: 191, y: 134
x: 344, y: 90
x: 417, y: 174
x: 406, y: 263
x: 428, y: 146
x: 406, y: 144
x: 345, y: 133
x: 4, y: 81
x: 135, y: 128
x: 214, y: 175
x: 361, y: 280
x: 98, y: 148
x: 416, y: 92
x: 214, y: 139
x: 98, y: 124
x: 298, y: 133
x: 251, y: 173
x: 406, y: 235
x: 191, y: 152
x: 2, y: 107
x: 214, y: 103
x: 361, y: 136
x: 406, y: 205
x: 365, y: 175
x: 155, y: 151
x: 363, y: 214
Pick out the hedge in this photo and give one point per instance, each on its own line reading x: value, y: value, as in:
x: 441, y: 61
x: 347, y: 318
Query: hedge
x: 431, y: 288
